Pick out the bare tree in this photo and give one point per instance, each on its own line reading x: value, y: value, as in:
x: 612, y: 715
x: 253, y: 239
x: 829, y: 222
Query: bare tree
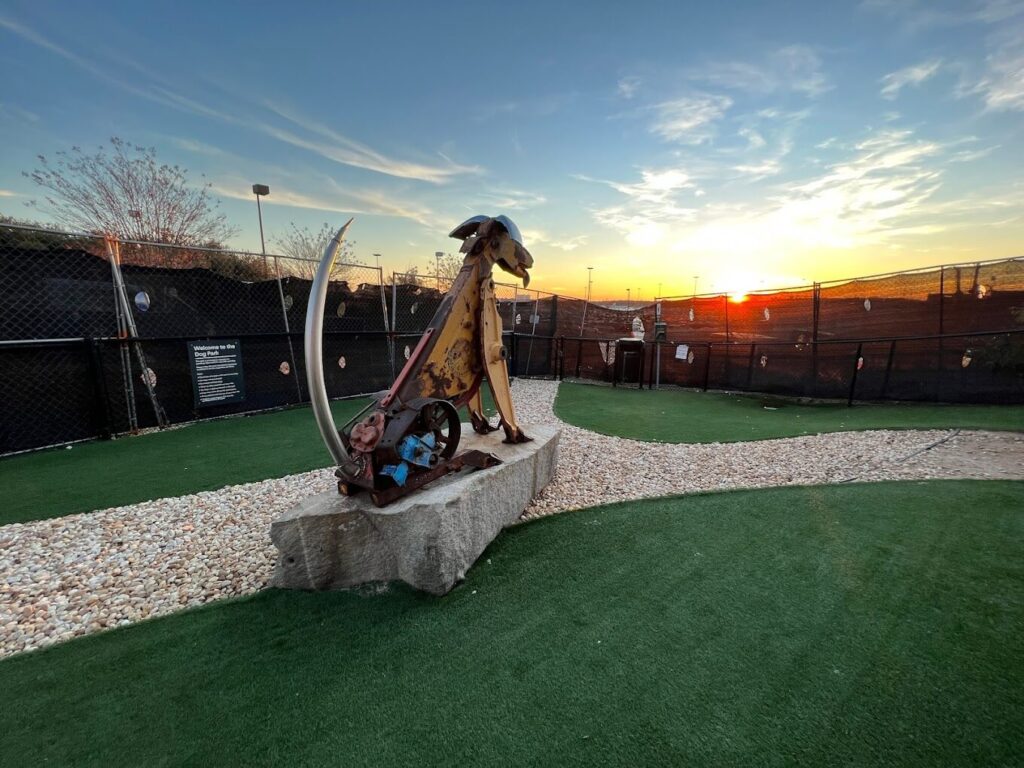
x: 304, y: 249
x: 448, y: 266
x: 411, y: 276
x: 127, y: 193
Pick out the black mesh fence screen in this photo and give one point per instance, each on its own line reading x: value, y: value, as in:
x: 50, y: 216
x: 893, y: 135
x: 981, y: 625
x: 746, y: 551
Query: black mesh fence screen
x: 76, y: 364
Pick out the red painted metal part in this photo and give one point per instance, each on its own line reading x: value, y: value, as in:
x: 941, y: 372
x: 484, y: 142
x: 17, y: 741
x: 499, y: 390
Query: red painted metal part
x: 410, y: 366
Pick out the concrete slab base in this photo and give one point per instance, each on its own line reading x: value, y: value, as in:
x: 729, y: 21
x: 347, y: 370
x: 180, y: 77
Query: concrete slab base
x: 428, y: 539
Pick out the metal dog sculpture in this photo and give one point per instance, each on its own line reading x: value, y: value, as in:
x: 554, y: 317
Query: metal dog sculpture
x: 411, y: 434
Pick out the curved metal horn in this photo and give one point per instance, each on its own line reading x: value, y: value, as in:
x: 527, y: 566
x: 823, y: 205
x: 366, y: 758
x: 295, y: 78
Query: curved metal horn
x: 315, y: 350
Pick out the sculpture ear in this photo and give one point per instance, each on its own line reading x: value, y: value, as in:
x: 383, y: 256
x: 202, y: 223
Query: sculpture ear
x: 468, y: 227
x: 511, y: 228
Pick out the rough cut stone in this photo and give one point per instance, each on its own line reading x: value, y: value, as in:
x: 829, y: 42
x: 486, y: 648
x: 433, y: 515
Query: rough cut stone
x: 428, y: 539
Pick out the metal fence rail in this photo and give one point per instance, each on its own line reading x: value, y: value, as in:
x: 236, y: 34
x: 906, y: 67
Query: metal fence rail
x: 95, y: 339
x: 983, y: 367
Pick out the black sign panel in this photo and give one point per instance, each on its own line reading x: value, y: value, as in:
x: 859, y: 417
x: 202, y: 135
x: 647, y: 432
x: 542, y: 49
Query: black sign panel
x: 216, y: 372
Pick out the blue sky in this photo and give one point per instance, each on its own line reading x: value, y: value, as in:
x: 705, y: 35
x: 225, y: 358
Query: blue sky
x: 753, y: 144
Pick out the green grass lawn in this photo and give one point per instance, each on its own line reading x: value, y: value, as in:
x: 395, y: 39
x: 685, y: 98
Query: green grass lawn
x: 674, y: 416
x: 860, y: 625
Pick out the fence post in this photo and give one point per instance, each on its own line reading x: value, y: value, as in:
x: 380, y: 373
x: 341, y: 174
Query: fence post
x: 750, y: 365
x: 101, y: 401
x: 853, y: 379
x: 643, y: 361
x: 389, y: 338
x: 707, y: 367
x: 940, y: 366
x: 129, y: 330
x: 728, y: 342
x: 579, y: 356
x: 560, y: 357
x: 815, y: 315
x: 287, y: 327
x: 888, y: 368
x: 650, y: 368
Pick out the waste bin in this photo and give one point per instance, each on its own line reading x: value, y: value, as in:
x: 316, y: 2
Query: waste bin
x: 629, y: 361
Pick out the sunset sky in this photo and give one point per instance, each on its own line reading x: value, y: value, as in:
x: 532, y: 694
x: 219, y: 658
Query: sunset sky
x: 749, y: 144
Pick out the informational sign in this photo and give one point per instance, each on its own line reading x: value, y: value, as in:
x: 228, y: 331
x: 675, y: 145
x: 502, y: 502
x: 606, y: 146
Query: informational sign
x: 216, y: 372
x: 682, y: 351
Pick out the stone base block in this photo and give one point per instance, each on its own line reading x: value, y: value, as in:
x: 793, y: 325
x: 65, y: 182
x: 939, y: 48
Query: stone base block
x: 428, y: 539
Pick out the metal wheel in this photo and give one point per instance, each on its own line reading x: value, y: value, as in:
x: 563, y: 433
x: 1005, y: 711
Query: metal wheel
x: 442, y: 419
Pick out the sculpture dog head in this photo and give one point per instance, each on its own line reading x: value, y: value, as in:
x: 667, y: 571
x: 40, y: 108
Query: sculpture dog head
x: 505, y: 239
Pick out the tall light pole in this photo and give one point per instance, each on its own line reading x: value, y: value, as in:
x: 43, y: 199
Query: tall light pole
x: 262, y: 190
x: 437, y: 267
x: 629, y: 301
x: 586, y: 301
x: 258, y: 190
x: 377, y: 257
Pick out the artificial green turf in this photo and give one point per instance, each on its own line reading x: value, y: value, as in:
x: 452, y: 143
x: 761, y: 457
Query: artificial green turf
x: 676, y: 416
x: 857, y: 625
x: 197, y: 457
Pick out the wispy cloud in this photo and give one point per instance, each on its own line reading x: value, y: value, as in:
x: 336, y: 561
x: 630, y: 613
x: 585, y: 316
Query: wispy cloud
x: 1001, y: 87
x: 312, y: 136
x: 334, y: 200
x: 512, y: 199
x: 539, y: 237
x: 18, y: 113
x: 792, y: 68
x: 970, y: 155
x: 334, y: 146
x: 8, y: 193
x: 917, y: 15
x: 761, y: 169
x: 689, y: 119
x: 628, y: 86
x: 198, y: 147
x: 880, y: 191
x: 653, y: 205
x: 913, y: 75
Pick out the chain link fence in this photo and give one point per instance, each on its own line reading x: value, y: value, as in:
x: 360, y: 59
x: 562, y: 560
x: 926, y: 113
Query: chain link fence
x: 80, y: 357
x: 100, y: 339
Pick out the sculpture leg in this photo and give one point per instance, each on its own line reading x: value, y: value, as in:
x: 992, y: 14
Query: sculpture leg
x: 475, y: 406
x: 493, y: 356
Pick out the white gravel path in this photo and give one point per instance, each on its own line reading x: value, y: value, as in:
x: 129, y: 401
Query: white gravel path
x: 73, y: 575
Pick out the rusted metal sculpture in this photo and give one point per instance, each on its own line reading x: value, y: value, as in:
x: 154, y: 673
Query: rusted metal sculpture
x: 410, y: 435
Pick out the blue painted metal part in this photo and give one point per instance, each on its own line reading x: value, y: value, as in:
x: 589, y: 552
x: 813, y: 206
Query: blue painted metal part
x: 397, y: 472
x: 418, y: 450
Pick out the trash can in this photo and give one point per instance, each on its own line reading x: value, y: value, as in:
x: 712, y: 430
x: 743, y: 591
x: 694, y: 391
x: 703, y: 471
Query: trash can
x: 629, y: 361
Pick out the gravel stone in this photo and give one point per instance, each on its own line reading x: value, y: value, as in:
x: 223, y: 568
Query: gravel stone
x: 74, y: 575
